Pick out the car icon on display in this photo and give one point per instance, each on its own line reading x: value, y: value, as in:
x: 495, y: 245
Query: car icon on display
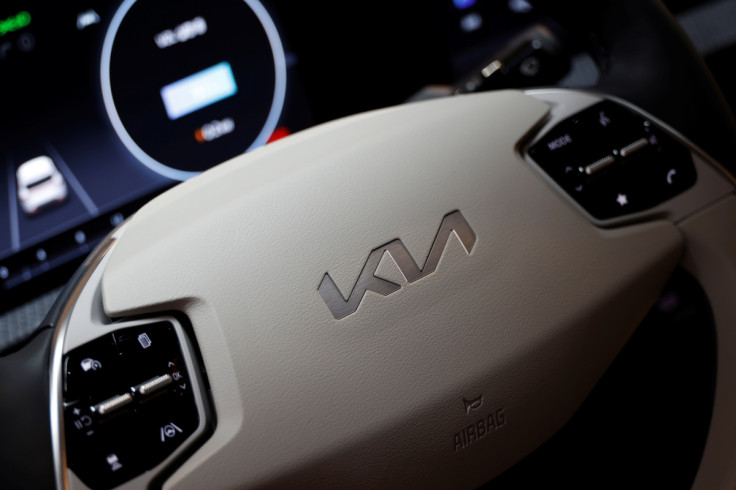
x: 40, y: 184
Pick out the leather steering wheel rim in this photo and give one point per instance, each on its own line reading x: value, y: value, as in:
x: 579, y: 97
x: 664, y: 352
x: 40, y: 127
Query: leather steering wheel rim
x: 644, y: 57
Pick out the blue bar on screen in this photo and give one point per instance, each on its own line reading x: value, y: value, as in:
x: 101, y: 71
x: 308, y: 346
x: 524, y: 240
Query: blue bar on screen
x: 199, y: 90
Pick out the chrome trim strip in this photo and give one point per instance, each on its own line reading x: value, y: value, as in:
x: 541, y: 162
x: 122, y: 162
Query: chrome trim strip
x: 72, y: 292
x: 153, y: 385
x: 634, y: 147
x: 112, y: 404
x: 600, y: 164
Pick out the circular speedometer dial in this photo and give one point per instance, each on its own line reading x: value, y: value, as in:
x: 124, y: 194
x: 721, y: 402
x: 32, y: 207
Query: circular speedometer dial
x: 188, y: 84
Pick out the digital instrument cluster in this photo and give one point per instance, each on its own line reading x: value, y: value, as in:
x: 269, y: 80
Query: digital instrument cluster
x: 107, y: 105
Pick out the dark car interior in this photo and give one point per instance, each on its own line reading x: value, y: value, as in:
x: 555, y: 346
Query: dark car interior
x: 127, y: 99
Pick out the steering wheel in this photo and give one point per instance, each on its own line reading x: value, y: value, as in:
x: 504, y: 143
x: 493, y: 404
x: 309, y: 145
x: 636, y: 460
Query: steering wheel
x: 419, y: 295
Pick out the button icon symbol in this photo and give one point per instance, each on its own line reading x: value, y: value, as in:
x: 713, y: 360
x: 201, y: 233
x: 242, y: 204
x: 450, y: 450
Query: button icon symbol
x: 92, y: 364
x: 472, y: 403
x: 169, y: 431
x: 114, y: 463
x: 82, y: 422
x: 670, y: 175
x: 144, y: 340
x: 622, y: 200
x: 603, y: 119
x: 557, y: 143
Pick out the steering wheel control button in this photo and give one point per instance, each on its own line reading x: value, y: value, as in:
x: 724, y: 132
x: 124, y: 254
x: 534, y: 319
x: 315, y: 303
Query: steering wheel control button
x: 80, y: 420
x: 613, y: 162
x: 110, y: 464
x: 147, y: 350
x: 128, y: 404
x: 167, y: 424
x: 147, y: 342
x: 91, y: 367
x: 87, y: 450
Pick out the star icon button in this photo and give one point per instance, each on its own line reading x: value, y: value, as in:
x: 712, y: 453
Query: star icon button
x: 622, y: 200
